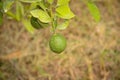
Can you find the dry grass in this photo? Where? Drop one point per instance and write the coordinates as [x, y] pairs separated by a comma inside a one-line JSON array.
[[93, 50]]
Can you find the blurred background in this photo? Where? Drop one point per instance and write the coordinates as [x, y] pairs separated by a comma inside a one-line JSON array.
[[92, 53]]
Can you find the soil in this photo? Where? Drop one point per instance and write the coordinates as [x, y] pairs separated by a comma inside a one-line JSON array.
[[93, 49]]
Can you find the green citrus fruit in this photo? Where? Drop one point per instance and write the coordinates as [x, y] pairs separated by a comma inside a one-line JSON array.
[[36, 23], [57, 43]]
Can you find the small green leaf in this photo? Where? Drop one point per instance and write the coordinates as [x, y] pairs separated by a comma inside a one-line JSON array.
[[63, 26], [1, 13], [19, 10], [94, 10], [62, 2], [64, 12], [30, 1], [28, 26], [39, 5], [1, 5], [42, 5], [11, 15], [33, 6], [1, 17], [50, 1], [41, 15], [7, 5]]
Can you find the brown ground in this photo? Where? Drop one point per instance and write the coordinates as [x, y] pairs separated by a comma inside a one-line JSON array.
[[93, 50]]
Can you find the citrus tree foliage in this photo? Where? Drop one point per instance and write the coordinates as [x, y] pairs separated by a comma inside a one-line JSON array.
[[47, 11], [37, 14]]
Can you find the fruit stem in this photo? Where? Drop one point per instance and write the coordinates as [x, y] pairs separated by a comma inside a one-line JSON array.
[[53, 19]]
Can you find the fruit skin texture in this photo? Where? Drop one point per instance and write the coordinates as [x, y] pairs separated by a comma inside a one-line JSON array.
[[37, 24], [57, 43]]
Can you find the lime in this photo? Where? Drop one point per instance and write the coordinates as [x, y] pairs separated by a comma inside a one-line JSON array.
[[57, 43], [37, 24]]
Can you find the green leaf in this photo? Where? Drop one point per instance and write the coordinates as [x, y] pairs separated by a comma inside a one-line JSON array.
[[28, 26], [1, 13], [1, 5], [19, 10], [1, 18], [62, 2], [30, 1], [64, 12], [11, 15], [40, 4], [94, 10], [64, 25], [33, 6], [7, 5], [43, 24], [50, 1], [41, 15]]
